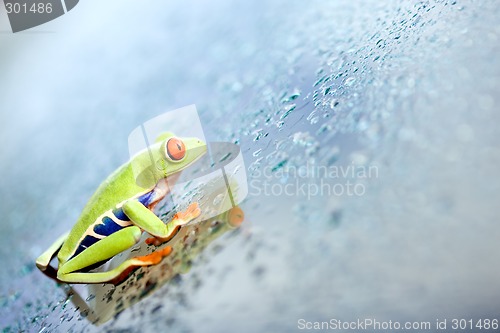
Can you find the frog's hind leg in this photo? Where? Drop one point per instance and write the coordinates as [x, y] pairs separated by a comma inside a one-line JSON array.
[[120, 273], [43, 261], [105, 249]]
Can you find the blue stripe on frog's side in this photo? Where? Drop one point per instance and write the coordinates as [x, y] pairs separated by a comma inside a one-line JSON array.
[[118, 212], [85, 243], [107, 226], [146, 199]]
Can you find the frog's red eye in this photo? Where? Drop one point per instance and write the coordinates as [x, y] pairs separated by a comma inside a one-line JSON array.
[[175, 149]]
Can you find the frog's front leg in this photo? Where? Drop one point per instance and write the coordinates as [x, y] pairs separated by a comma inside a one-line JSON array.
[[144, 218]]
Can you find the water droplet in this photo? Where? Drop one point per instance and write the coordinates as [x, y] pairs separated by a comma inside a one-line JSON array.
[[311, 150], [333, 155], [236, 86], [225, 157], [288, 110], [335, 218], [349, 81], [295, 94], [26, 269], [218, 199], [271, 156], [66, 302], [359, 158], [255, 165], [190, 238], [281, 144], [303, 139], [324, 128], [280, 165], [319, 81], [188, 184], [14, 296], [258, 135], [236, 169], [333, 103], [312, 114]]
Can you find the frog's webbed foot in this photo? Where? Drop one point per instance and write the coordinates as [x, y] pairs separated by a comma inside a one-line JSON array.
[[179, 219], [155, 257], [147, 260], [192, 212], [156, 241]]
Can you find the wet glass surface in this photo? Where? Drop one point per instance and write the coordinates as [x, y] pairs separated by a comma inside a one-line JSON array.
[[368, 130]]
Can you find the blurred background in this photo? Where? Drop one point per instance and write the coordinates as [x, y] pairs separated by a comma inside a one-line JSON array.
[[410, 88]]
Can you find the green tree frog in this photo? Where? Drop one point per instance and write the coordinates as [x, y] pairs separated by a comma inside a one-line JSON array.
[[119, 212]]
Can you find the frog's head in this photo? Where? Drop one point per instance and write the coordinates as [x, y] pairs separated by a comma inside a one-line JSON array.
[[173, 154], [168, 155]]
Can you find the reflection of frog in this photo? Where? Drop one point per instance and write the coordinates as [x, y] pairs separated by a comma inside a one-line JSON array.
[[120, 210]]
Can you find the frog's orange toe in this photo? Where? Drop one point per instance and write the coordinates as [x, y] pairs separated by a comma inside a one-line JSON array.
[[192, 212], [165, 251], [235, 216], [153, 241], [155, 257]]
